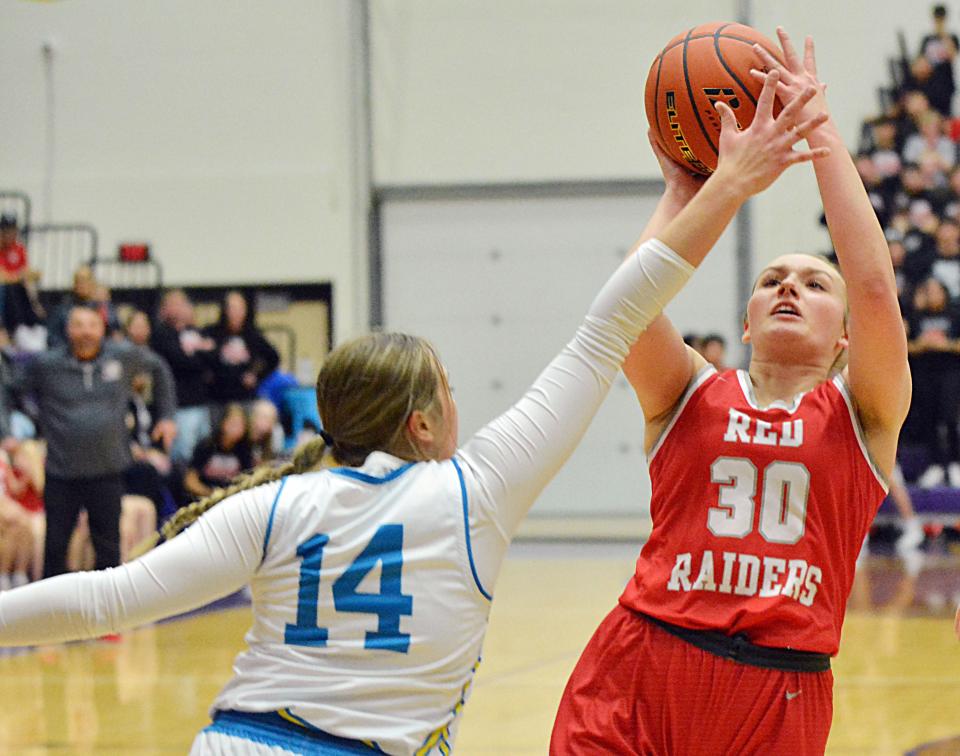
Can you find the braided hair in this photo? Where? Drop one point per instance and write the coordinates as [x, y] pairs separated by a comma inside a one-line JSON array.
[[366, 390]]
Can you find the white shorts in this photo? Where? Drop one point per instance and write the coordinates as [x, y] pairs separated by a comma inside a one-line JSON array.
[[219, 744], [236, 733]]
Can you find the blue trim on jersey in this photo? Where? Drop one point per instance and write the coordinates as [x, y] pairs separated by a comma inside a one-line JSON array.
[[466, 531], [269, 728], [349, 472], [273, 511]]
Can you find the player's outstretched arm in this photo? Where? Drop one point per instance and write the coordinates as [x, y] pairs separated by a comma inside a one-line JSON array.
[[878, 373], [213, 558], [659, 383], [660, 366]]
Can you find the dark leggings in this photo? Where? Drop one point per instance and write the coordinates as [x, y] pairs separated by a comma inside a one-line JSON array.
[[63, 499], [142, 478]]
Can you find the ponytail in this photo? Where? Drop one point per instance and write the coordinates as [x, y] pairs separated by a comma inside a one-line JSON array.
[[307, 458]]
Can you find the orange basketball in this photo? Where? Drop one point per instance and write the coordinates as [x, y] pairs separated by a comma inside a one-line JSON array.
[[709, 62]]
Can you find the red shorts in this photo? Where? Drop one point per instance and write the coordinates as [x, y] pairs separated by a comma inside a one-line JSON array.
[[637, 689]]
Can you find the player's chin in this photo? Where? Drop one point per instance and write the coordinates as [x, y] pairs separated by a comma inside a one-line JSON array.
[[786, 338]]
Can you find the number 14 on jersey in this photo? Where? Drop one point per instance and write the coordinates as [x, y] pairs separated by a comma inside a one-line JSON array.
[[385, 548]]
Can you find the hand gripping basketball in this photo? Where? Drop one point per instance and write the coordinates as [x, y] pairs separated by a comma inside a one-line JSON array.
[[752, 159]]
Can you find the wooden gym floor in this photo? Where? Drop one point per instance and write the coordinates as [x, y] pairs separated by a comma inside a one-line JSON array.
[[897, 675]]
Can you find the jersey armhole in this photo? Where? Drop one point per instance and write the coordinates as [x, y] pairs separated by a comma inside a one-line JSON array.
[[841, 386], [273, 512], [696, 382], [466, 529]]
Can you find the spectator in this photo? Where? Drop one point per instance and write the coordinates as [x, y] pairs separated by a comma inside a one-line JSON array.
[[244, 356], [914, 187], [19, 300], [937, 51], [692, 340], [83, 390], [191, 357], [713, 347], [879, 191], [24, 476], [266, 433], [137, 328], [914, 105], [149, 476], [217, 460], [933, 332], [946, 265], [884, 148], [920, 247], [951, 208], [84, 292], [16, 544], [930, 141], [898, 256]]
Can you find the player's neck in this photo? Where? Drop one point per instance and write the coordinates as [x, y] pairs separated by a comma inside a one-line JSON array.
[[775, 381]]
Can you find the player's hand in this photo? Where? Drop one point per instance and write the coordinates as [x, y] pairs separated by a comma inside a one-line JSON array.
[[752, 159], [797, 75], [681, 183]]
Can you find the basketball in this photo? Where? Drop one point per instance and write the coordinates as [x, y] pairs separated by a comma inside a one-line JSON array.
[[698, 67]]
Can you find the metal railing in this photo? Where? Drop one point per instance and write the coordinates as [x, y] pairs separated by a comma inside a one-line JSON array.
[[58, 249]]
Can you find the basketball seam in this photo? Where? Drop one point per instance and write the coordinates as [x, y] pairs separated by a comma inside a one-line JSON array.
[[745, 41], [716, 46], [656, 103], [693, 102]]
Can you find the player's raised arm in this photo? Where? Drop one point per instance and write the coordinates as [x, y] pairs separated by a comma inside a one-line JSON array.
[[660, 366], [519, 452], [878, 373]]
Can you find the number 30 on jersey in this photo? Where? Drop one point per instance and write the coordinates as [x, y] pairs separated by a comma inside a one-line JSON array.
[[784, 489]]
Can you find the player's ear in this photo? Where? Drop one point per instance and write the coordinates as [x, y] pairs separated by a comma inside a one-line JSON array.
[[745, 336], [420, 429]]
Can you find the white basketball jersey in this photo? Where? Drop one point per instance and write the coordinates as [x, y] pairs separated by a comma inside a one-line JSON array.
[[368, 619]]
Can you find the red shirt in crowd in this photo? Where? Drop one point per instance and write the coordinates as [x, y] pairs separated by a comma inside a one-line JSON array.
[[13, 259]]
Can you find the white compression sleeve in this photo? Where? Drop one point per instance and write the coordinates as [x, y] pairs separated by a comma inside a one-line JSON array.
[[212, 558], [510, 460]]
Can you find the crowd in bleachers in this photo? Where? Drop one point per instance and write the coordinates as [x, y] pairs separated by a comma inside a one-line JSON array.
[[224, 377], [909, 160]]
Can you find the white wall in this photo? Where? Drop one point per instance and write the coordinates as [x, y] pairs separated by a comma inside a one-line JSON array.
[[500, 90], [517, 90], [509, 281], [220, 131], [225, 132]]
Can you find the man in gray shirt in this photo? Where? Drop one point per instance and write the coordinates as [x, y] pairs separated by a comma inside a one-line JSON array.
[[83, 390]]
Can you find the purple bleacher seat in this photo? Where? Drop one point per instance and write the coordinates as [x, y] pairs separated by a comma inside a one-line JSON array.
[[930, 501]]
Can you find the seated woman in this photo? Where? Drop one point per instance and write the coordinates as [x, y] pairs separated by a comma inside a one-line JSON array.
[[17, 546], [266, 433], [217, 460]]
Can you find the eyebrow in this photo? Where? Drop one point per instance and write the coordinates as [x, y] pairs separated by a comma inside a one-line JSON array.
[[803, 271]]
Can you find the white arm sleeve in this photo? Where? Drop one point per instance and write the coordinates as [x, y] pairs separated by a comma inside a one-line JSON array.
[[213, 558], [509, 461]]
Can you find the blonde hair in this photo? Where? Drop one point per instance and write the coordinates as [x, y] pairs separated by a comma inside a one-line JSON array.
[[366, 390]]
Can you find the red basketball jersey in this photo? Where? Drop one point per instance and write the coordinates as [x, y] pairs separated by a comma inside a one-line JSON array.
[[758, 514]]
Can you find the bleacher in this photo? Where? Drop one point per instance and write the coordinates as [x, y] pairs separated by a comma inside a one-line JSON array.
[[911, 211]]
